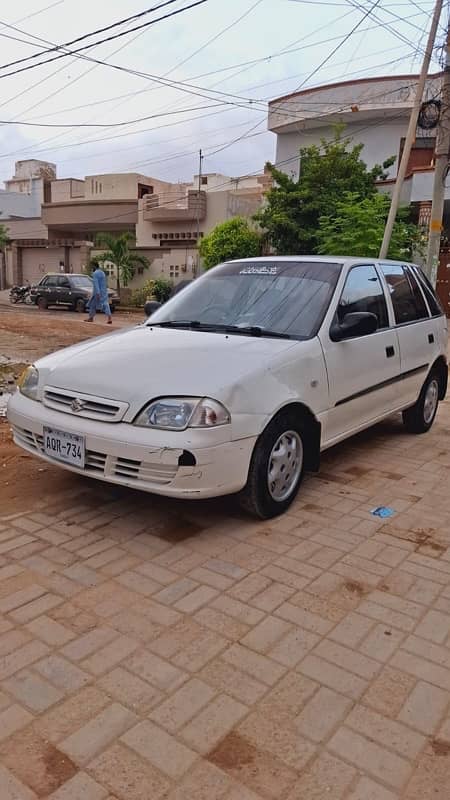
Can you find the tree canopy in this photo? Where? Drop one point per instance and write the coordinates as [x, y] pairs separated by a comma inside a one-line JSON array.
[[329, 171], [232, 239], [356, 228]]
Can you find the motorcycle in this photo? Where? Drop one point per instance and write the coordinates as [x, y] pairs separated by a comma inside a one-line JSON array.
[[20, 294]]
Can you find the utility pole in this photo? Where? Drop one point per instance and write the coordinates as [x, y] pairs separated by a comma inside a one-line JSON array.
[[440, 168], [200, 162], [411, 134]]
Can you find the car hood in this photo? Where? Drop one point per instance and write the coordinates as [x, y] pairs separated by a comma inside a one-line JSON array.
[[144, 363]]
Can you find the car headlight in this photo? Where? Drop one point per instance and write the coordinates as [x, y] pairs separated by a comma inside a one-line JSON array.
[[28, 383], [179, 413]]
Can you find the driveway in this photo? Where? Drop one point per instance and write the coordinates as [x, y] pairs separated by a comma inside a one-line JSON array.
[[151, 649]]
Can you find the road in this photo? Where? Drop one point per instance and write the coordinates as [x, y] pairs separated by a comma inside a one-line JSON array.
[[153, 649]]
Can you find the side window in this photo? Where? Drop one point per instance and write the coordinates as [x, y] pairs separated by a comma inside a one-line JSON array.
[[52, 281], [63, 281], [363, 292], [407, 299], [432, 299]]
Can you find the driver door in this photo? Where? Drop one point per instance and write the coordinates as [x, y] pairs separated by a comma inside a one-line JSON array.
[[363, 370]]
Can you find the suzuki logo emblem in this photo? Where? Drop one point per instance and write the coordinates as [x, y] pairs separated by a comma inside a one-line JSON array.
[[77, 405]]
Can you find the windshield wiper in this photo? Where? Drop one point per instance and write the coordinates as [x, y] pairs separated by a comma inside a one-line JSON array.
[[176, 323], [255, 330], [245, 330]]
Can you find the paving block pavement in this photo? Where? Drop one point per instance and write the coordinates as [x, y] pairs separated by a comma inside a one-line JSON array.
[[177, 651]]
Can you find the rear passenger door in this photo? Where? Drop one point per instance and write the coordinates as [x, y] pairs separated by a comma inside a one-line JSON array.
[[417, 331]]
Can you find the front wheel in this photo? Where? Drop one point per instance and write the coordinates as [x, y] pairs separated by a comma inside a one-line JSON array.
[[80, 306], [276, 468], [42, 303], [420, 417]]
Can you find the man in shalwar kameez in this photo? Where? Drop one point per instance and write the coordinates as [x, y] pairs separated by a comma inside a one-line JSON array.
[[99, 299]]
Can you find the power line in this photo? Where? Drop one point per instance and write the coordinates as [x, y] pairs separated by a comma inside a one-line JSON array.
[[103, 41], [65, 45]]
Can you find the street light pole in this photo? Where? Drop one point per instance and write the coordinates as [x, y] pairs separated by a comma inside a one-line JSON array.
[[411, 134]]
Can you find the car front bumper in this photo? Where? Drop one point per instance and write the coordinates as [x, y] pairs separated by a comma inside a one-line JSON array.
[[151, 461]]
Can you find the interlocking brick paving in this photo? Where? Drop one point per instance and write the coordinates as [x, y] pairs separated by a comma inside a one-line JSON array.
[[153, 649]]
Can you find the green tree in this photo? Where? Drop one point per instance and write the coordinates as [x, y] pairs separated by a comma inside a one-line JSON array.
[[328, 171], [232, 239], [356, 228], [119, 253]]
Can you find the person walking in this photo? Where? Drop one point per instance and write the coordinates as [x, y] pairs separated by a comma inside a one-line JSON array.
[[99, 299]]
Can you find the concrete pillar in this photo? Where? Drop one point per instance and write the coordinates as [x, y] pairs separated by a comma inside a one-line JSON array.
[[17, 271], [85, 256], [66, 258]]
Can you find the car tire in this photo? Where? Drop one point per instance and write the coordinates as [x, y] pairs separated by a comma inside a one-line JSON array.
[[41, 303], [420, 417], [80, 306], [112, 308], [276, 468]]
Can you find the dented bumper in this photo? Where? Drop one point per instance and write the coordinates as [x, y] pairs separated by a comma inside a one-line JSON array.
[[184, 464]]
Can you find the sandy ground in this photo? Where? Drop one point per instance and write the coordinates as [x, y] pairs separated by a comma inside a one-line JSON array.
[[26, 335]]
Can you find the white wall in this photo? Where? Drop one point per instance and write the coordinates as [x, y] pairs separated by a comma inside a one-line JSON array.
[[381, 141]]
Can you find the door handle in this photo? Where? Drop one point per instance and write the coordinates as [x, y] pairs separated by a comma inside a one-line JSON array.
[[430, 338], [390, 351]]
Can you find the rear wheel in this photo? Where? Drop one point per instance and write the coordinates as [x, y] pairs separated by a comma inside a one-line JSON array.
[[112, 308], [41, 303], [420, 417], [276, 469], [80, 305]]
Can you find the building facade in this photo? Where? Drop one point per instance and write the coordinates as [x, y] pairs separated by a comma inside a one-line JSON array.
[[375, 112], [166, 220]]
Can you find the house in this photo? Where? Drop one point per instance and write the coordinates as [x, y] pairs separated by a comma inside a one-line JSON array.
[[375, 112], [166, 220]]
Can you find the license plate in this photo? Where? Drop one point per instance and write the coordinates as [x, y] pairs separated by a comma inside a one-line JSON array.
[[66, 447]]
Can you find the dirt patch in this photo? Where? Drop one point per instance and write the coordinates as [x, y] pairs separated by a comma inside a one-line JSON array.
[[232, 752], [417, 536], [355, 587], [440, 748], [37, 763]]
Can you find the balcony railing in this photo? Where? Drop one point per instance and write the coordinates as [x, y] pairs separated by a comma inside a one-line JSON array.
[[189, 208]]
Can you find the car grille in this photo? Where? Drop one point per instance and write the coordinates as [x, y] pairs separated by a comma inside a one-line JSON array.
[[102, 465], [89, 406]]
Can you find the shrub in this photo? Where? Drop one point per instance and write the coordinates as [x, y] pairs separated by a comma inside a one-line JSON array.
[[140, 296]]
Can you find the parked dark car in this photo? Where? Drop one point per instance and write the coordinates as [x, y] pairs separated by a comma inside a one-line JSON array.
[[70, 290]]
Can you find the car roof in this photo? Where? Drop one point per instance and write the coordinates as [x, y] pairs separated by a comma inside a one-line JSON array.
[[323, 259], [67, 274]]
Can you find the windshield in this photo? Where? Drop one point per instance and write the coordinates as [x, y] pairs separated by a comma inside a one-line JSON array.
[[82, 281], [283, 297]]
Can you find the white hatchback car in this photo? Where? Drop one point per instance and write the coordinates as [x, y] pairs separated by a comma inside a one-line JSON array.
[[239, 381]]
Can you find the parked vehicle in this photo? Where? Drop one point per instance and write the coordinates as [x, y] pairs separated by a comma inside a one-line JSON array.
[[240, 381], [69, 290], [20, 294]]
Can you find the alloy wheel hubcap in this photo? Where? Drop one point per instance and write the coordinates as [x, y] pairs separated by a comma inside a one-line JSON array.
[[431, 401], [285, 465]]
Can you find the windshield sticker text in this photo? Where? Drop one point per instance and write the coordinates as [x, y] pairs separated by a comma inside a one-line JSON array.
[[259, 271]]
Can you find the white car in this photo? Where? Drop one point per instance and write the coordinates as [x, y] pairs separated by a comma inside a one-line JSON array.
[[239, 381]]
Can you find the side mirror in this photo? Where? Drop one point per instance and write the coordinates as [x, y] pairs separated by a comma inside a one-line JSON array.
[[150, 307], [360, 323]]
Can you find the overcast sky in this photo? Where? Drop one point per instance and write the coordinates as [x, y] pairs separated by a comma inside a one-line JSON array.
[[73, 91]]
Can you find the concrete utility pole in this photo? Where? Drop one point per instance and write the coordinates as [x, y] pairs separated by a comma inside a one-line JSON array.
[[440, 167], [411, 134], [200, 164]]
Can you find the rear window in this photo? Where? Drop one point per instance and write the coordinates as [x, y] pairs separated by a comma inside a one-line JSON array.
[[407, 299], [431, 297]]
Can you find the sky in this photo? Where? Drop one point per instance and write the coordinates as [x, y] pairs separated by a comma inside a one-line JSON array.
[[205, 77]]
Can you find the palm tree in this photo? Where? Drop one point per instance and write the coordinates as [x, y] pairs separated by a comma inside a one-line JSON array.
[[119, 254]]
